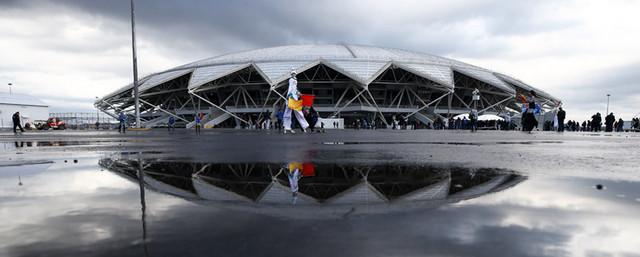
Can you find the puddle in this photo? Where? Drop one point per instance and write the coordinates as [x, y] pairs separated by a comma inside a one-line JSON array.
[[121, 206], [315, 185], [26, 144], [442, 143]]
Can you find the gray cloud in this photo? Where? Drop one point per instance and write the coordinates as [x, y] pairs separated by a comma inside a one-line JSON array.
[[622, 82], [184, 31], [221, 26]]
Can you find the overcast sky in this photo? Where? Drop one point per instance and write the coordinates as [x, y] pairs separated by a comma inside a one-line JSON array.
[[68, 52]]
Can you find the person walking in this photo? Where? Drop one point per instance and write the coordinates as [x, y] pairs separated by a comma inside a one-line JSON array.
[[16, 123], [122, 128], [561, 115], [294, 106], [620, 127], [595, 122], [528, 112], [473, 118], [198, 123], [171, 124], [608, 122]]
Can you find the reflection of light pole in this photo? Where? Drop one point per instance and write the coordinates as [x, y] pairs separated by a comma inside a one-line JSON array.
[[607, 113], [9, 87], [143, 204]]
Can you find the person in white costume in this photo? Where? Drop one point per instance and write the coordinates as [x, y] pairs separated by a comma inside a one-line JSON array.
[[293, 93]]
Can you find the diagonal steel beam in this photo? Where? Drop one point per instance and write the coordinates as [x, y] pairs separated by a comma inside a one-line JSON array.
[[277, 93], [504, 100], [342, 97], [348, 103], [162, 110], [218, 107], [378, 108], [107, 113], [427, 105], [462, 101]]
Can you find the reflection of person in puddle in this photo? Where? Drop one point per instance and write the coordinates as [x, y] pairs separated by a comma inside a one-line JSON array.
[[296, 172], [294, 176]]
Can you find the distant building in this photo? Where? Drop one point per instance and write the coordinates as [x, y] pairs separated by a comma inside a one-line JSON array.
[[31, 109]]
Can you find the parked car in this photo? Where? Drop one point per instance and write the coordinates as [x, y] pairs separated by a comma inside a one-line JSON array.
[[52, 123]]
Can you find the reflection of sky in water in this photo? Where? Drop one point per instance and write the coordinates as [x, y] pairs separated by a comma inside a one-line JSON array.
[[77, 210]]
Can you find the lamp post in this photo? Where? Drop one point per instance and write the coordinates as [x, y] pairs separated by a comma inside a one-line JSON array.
[[97, 116], [607, 113], [9, 87], [135, 67]]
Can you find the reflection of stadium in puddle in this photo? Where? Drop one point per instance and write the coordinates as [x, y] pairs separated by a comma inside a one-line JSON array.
[[323, 190], [443, 143]]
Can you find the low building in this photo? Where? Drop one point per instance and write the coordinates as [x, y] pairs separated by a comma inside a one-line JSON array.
[[31, 109]]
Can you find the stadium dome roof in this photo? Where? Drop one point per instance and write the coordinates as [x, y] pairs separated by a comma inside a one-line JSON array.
[[21, 99], [360, 63]]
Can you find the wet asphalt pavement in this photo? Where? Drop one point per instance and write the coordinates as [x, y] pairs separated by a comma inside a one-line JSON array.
[[355, 193]]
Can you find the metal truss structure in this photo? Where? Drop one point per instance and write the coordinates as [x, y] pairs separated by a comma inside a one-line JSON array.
[[348, 81]]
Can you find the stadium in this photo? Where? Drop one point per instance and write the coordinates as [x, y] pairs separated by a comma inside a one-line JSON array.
[[348, 81]]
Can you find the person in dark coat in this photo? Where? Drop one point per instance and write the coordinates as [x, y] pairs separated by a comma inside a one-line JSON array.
[[122, 128], [561, 115], [171, 124], [16, 122], [311, 116], [620, 126], [596, 122], [608, 122], [528, 117]]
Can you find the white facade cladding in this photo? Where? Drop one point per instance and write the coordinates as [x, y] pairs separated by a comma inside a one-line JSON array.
[[349, 81], [30, 108]]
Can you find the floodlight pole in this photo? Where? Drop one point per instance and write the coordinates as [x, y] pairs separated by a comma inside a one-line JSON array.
[[97, 116], [607, 113], [136, 94]]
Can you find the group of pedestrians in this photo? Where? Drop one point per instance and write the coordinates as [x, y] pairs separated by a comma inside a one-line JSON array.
[[592, 125], [635, 124], [611, 124]]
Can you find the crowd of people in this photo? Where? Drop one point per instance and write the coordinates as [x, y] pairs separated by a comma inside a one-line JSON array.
[[593, 125], [306, 119]]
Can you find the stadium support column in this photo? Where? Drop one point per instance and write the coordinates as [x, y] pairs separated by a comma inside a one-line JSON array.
[[136, 94], [450, 98], [377, 108]]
